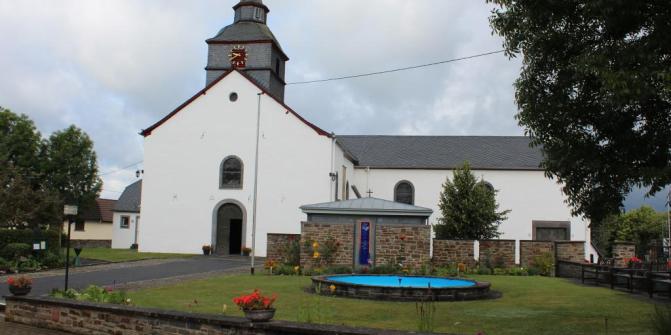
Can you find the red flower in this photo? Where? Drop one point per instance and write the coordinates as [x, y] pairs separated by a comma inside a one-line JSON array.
[[402, 237], [254, 301]]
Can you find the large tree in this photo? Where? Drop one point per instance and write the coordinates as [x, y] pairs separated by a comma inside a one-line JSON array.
[[72, 168], [20, 145], [469, 208], [595, 93]]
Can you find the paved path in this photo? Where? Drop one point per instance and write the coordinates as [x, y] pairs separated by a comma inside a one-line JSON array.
[[134, 272]]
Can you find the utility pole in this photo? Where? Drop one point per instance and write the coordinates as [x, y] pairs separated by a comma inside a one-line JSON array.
[[256, 180]]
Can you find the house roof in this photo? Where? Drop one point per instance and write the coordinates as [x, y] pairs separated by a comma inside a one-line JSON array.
[[101, 211], [148, 131], [129, 201], [246, 32], [442, 152], [367, 206]]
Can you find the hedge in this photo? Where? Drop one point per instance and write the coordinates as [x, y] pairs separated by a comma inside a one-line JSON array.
[[27, 236]]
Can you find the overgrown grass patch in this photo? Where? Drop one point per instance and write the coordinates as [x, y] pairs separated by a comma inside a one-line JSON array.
[[529, 305]]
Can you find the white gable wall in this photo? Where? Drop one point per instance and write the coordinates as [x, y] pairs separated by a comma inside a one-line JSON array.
[[528, 194], [183, 156]]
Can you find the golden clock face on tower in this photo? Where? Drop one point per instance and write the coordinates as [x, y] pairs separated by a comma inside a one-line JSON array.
[[238, 56]]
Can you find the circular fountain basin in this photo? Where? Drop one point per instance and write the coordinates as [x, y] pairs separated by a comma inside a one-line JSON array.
[[403, 288]]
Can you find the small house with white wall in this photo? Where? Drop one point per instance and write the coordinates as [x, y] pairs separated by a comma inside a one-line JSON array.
[[126, 219], [235, 162], [93, 227]]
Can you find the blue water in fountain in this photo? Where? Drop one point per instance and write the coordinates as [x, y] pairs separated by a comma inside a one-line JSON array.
[[402, 281]]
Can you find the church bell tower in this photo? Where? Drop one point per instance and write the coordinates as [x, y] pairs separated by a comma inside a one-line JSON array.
[[249, 46]]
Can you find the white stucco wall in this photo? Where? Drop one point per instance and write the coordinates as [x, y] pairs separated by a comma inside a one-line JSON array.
[[123, 238], [528, 194], [181, 193], [93, 230]]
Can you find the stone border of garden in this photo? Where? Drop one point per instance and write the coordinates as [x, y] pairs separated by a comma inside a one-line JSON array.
[[80, 317], [322, 285]]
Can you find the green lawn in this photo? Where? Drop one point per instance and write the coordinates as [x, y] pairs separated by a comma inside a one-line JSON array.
[[530, 305], [123, 255]]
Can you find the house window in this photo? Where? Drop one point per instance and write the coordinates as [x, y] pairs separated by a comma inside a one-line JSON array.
[[347, 192], [404, 192], [79, 225], [125, 222], [231, 172], [277, 66], [257, 13], [344, 183]]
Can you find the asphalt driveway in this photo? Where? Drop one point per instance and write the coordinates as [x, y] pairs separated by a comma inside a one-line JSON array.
[[133, 272]]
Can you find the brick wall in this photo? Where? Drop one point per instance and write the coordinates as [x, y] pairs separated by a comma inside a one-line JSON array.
[[409, 241], [622, 251], [572, 251], [276, 245], [530, 249], [79, 317], [498, 251], [321, 232], [451, 252]]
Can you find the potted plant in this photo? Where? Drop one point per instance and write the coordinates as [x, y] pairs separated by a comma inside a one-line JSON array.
[[246, 251], [207, 249], [257, 308], [20, 286]]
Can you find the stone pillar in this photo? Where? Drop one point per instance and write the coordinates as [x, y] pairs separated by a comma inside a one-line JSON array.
[[621, 251]]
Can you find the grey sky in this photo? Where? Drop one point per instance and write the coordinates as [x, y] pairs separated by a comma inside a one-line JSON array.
[[115, 67]]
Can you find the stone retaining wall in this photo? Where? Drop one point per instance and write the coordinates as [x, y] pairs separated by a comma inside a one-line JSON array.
[[572, 251], [531, 249], [277, 244], [407, 244], [97, 319], [452, 252], [499, 253], [322, 232], [621, 252], [91, 243]]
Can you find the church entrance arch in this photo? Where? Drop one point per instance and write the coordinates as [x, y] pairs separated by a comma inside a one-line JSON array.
[[229, 229]]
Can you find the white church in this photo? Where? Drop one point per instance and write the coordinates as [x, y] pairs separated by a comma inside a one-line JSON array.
[[234, 162]]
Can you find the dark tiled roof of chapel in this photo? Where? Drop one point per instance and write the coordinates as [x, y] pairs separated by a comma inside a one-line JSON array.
[[442, 152], [129, 201]]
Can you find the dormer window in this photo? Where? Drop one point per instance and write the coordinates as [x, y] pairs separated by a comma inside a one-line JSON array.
[[257, 13]]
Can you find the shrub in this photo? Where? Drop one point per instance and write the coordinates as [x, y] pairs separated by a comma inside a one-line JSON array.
[[385, 269], [284, 269], [94, 293], [4, 266], [543, 264], [27, 236], [16, 250], [340, 269], [52, 260], [291, 253], [29, 265]]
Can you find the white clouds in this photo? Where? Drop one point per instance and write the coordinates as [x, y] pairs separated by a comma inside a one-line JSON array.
[[114, 67]]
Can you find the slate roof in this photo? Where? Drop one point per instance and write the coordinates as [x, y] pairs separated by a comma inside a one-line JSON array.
[[129, 201], [246, 31], [367, 206], [442, 152], [101, 211]]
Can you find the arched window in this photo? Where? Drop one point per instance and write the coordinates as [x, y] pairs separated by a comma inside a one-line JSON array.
[[404, 192], [231, 172]]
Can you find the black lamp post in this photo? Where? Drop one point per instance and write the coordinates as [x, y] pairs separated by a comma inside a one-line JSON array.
[[70, 212]]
